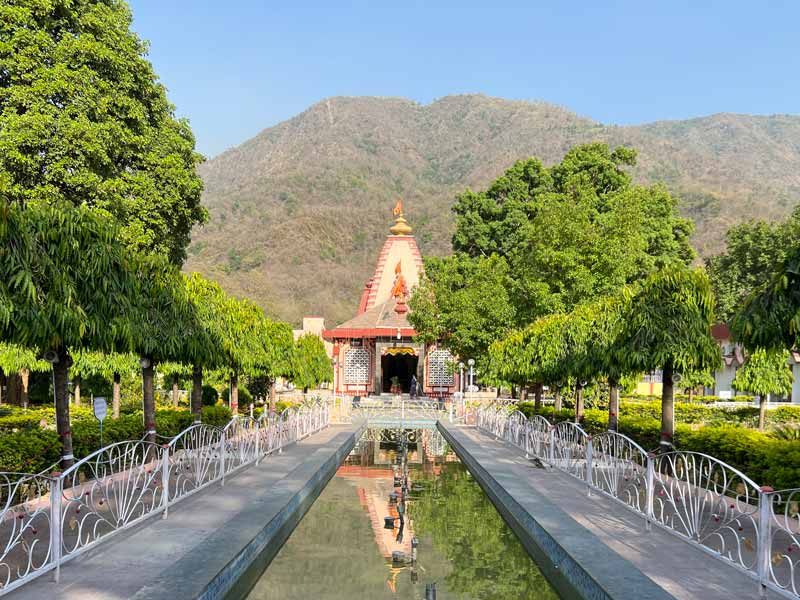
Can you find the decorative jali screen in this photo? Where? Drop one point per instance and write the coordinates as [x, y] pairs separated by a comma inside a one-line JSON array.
[[356, 366], [438, 368]]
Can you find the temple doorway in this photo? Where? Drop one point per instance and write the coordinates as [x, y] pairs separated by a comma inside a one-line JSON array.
[[401, 365]]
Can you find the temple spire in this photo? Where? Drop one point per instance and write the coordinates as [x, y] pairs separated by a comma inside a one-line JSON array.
[[401, 226]]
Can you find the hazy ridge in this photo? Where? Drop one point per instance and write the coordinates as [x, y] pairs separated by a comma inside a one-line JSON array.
[[299, 212]]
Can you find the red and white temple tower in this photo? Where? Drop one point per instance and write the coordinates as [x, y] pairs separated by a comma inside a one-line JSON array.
[[376, 347]]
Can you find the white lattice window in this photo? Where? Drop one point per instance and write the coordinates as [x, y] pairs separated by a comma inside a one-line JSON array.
[[356, 366], [439, 368]]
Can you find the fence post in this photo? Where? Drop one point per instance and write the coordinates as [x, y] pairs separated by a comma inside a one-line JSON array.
[[165, 480], [258, 443], [56, 485], [552, 449], [589, 465], [527, 438], [222, 456], [650, 491], [764, 550]]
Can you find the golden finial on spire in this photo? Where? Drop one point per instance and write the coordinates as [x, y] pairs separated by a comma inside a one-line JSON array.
[[401, 226]]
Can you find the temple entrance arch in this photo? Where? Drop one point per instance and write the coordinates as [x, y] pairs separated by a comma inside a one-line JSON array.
[[400, 363]]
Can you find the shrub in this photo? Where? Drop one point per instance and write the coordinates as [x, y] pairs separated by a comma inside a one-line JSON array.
[[245, 398], [29, 451], [210, 395]]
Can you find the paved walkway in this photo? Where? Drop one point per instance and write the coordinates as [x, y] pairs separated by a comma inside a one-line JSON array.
[[211, 538], [610, 542]]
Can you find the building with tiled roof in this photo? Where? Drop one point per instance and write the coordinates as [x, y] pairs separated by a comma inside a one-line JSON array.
[[377, 345]]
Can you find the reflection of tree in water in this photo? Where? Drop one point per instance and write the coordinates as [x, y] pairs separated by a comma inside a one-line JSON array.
[[488, 561]]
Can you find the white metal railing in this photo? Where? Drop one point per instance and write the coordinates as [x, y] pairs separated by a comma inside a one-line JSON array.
[[47, 519], [692, 495]]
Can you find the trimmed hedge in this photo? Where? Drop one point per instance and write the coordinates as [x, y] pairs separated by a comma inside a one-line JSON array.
[[763, 458], [32, 450]]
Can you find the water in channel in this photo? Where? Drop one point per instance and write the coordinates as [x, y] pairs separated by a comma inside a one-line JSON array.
[[450, 534]]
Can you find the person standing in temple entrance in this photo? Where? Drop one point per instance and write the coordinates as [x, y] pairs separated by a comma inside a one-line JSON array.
[[413, 391]]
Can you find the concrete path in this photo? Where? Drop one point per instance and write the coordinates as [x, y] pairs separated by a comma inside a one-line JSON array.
[[617, 557], [215, 542]]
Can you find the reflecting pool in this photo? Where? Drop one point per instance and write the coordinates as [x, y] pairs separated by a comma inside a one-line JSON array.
[[400, 514]]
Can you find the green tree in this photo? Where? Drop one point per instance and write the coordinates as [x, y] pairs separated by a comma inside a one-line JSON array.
[[16, 365], [310, 363], [86, 121], [463, 304], [691, 380], [753, 252], [69, 283], [765, 372], [770, 316], [539, 241], [108, 365], [278, 340], [207, 301], [668, 327]]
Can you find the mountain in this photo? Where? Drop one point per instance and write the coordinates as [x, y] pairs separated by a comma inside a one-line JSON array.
[[300, 211]]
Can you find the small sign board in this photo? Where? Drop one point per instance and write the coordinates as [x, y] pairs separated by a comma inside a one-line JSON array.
[[100, 407], [725, 394]]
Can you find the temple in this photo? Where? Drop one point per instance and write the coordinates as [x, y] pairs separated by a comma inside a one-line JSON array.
[[374, 352]]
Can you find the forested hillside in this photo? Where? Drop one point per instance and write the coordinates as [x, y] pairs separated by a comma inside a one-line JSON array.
[[299, 212]]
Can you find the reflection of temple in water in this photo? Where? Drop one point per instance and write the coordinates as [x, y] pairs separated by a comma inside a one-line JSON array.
[[373, 466]]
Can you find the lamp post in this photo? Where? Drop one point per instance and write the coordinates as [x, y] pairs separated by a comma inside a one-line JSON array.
[[471, 363], [461, 377]]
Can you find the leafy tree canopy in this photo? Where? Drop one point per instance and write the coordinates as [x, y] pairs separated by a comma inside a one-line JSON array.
[[770, 316], [68, 278], [543, 240], [669, 323], [87, 363], [15, 358], [754, 250], [464, 303], [86, 121], [311, 365], [765, 372]]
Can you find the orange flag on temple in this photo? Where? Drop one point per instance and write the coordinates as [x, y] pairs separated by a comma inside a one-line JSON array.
[[398, 208], [397, 269]]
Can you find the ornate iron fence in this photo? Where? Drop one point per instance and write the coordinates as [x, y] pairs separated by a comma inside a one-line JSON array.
[[47, 519], [694, 496]]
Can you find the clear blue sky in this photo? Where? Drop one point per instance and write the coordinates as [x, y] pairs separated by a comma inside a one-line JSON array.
[[236, 67]]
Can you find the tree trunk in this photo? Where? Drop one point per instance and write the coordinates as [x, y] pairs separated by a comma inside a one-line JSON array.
[[115, 396], [613, 405], [76, 386], [149, 402], [556, 402], [3, 384], [272, 403], [234, 394], [523, 393], [667, 408], [175, 391], [537, 397], [24, 378], [513, 392], [13, 389], [197, 393], [691, 395], [578, 403], [60, 372], [762, 411]]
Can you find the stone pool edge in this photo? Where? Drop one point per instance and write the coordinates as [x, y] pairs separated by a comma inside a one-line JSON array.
[[562, 566], [235, 580]]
